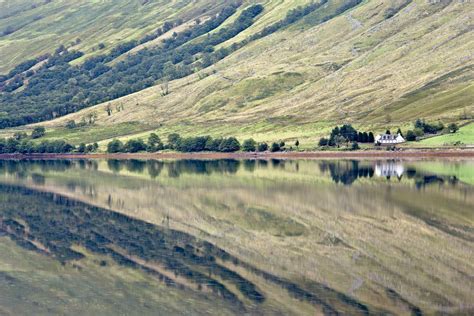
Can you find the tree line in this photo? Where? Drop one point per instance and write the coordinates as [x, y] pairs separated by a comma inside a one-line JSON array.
[[22, 143], [193, 144], [346, 135], [421, 128]]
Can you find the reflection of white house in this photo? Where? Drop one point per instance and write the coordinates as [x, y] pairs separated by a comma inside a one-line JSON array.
[[387, 139], [389, 169]]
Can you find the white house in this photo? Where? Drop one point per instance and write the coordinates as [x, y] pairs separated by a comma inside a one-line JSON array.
[[388, 139]]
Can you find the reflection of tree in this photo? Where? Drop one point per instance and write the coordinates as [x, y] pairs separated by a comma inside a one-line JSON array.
[[135, 165], [262, 163], [205, 167], [346, 171], [154, 168], [250, 165], [114, 165]]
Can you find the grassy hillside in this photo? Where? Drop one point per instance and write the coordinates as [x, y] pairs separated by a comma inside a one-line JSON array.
[[465, 135], [40, 26], [381, 64]]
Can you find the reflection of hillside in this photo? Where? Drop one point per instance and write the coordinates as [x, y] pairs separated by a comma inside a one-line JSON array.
[[286, 218], [53, 225]]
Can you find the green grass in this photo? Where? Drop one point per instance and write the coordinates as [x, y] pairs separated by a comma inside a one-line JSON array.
[[465, 136]]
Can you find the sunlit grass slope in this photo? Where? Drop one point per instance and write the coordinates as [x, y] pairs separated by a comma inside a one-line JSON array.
[[465, 135], [42, 26]]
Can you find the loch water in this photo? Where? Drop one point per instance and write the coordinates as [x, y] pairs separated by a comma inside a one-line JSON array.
[[233, 237]]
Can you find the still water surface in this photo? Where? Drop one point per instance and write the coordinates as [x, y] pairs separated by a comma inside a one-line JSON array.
[[136, 237]]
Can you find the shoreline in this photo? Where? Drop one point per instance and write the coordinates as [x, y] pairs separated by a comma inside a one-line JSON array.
[[366, 154]]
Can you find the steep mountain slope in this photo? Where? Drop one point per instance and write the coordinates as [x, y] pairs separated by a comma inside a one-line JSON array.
[[35, 27], [376, 64]]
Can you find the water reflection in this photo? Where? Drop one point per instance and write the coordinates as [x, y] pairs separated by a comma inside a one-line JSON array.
[[261, 236], [55, 226], [344, 172]]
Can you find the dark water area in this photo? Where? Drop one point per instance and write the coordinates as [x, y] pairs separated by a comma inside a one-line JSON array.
[[295, 237]]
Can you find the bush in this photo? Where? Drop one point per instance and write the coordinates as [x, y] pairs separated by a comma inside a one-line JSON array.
[[81, 148], [154, 143], [91, 148], [275, 147], [323, 142], [262, 147], [134, 146], [355, 146], [213, 144], [249, 145], [20, 135], [453, 128], [193, 144], [230, 144], [38, 132], [173, 141], [71, 124], [419, 132], [411, 136], [115, 146]]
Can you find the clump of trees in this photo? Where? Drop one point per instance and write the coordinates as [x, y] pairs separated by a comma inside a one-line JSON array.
[[422, 128], [38, 132], [187, 144], [348, 136], [90, 148], [249, 145], [26, 146]]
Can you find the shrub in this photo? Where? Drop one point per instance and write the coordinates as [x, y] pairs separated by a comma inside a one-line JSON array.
[[115, 146], [275, 147], [20, 135], [71, 124], [81, 148], [91, 148], [174, 140], [230, 144], [213, 144], [38, 132], [419, 132], [355, 146], [154, 143], [193, 144], [453, 128], [323, 142], [249, 145], [411, 136], [262, 147], [134, 146]]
